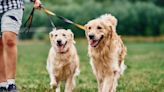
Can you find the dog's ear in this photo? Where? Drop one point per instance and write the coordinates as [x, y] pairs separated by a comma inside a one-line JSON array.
[[85, 26], [109, 21], [72, 35], [50, 35], [70, 32], [86, 32]]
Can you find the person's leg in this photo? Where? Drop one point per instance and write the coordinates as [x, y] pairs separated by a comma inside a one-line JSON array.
[[3, 80], [10, 25], [10, 53], [10, 58]]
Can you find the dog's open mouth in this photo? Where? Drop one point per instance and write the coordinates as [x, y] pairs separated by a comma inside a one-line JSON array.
[[95, 43], [61, 47]]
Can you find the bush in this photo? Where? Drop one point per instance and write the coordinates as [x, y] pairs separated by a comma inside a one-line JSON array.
[[134, 18], [41, 34], [138, 19]]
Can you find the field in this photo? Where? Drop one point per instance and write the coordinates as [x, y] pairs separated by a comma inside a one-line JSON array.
[[145, 72]]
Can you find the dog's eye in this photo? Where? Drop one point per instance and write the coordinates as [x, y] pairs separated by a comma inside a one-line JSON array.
[[99, 27], [56, 35], [64, 35], [89, 27]]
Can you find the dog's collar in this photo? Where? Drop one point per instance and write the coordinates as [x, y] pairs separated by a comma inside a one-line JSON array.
[[64, 52]]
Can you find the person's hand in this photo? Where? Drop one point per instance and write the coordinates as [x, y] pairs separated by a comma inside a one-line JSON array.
[[37, 4]]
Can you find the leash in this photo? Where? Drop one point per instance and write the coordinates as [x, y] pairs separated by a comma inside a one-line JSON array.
[[49, 14], [71, 22], [62, 18], [29, 21]]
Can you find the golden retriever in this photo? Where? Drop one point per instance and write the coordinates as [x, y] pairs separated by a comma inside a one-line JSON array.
[[63, 61], [106, 51]]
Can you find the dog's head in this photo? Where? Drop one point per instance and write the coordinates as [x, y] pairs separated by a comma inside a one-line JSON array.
[[61, 39], [100, 29]]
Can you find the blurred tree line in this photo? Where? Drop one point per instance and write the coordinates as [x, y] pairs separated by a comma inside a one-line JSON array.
[[135, 17]]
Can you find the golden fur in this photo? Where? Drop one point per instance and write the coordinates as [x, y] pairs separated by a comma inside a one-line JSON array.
[[106, 51], [63, 61]]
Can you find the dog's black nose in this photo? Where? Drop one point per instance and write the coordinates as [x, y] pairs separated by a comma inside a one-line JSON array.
[[59, 41], [91, 36]]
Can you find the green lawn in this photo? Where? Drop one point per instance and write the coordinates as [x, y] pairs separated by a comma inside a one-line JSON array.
[[145, 72]]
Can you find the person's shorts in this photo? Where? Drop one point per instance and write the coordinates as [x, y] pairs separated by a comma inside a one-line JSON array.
[[11, 21]]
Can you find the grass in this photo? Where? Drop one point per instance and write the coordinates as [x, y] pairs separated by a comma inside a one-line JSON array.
[[145, 72]]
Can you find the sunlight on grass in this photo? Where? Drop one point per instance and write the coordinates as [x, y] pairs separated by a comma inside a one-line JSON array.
[[145, 63]]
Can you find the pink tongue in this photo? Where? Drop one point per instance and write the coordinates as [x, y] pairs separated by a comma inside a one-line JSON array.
[[61, 48], [92, 42]]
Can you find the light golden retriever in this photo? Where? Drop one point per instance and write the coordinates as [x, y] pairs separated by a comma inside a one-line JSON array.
[[63, 61], [106, 51]]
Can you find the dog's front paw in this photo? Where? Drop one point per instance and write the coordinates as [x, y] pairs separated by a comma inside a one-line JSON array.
[[53, 85]]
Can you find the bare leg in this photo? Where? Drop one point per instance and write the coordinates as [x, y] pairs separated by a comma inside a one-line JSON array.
[[2, 64], [10, 53]]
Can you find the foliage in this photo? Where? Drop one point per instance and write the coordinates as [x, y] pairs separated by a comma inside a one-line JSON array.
[[41, 34], [136, 17]]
